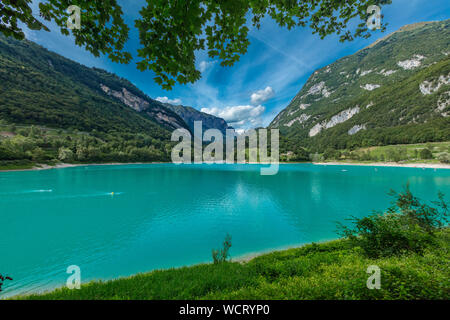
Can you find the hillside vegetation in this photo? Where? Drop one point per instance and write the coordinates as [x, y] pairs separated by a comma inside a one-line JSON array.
[[393, 92], [43, 88], [23, 147], [430, 152], [54, 109]]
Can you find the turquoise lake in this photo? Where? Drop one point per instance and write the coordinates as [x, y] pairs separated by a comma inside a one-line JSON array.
[[164, 215]]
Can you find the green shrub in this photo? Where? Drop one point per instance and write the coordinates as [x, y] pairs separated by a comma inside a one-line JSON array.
[[221, 255], [366, 156], [407, 226], [331, 153], [300, 154], [444, 157], [426, 154], [65, 154]]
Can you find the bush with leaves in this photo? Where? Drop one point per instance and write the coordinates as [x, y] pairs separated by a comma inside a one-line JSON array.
[[407, 226], [426, 154], [300, 154], [444, 157], [331, 153], [221, 255]]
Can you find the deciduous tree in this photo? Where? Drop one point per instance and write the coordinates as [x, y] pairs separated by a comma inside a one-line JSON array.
[[172, 31]]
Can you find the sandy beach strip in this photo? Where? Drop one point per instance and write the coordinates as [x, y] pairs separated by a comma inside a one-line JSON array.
[[388, 164], [70, 165], [374, 164]]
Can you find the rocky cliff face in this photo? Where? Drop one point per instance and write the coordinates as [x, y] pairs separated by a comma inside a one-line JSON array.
[[335, 120], [152, 108], [189, 115], [127, 98], [43, 88], [171, 116], [399, 81]]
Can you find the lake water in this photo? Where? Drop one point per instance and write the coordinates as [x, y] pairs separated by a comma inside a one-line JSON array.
[[163, 215]]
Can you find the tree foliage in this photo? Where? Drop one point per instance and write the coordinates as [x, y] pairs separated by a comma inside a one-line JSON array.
[[50, 146], [408, 226], [426, 154], [172, 31]]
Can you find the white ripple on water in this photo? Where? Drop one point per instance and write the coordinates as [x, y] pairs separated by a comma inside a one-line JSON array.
[[26, 192], [60, 196]]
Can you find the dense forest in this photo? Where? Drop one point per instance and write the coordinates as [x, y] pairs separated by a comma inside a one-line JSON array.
[[26, 146]]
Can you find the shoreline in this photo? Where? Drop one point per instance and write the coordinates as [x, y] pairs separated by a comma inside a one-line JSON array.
[[242, 259], [247, 257], [72, 165], [388, 164], [333, 163]]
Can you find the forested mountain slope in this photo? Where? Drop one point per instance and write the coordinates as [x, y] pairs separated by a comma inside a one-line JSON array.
[[395, 91], [44, 88]]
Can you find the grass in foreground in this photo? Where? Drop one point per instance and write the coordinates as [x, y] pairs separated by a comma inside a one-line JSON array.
[[333, 270]]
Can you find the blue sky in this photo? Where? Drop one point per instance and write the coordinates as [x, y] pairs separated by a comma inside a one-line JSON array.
[[262, 83]]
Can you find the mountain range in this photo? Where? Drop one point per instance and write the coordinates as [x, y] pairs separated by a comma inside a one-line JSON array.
[[394, 91], [39, 87]]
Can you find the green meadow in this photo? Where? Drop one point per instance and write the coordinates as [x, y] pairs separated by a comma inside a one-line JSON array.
[[332, 270]]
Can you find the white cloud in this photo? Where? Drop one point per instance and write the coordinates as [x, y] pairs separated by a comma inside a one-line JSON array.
[[205, 65], [202, 66], [262, 96], [239, 116], [167, 100]]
